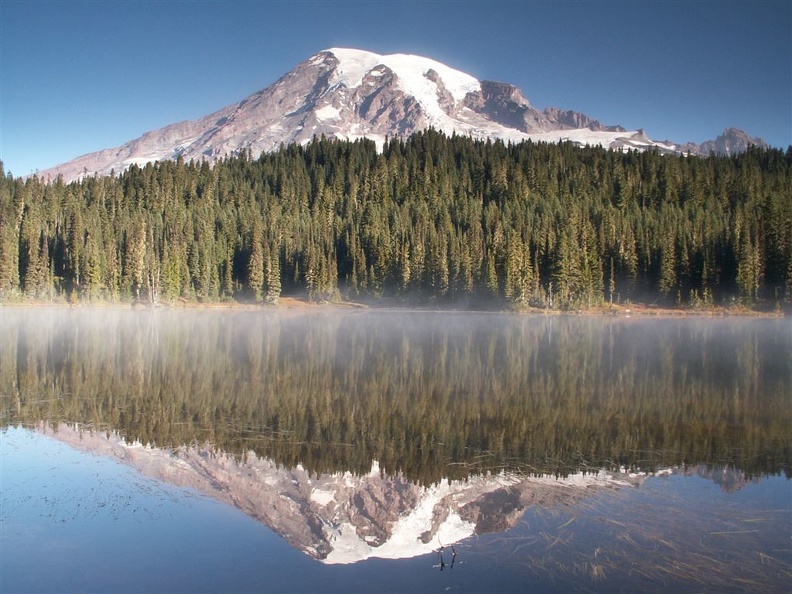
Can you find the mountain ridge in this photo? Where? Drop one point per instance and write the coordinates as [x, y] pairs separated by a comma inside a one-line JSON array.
[[350, 94]]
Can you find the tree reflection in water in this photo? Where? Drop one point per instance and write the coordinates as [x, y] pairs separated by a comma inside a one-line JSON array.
[[431, 396]]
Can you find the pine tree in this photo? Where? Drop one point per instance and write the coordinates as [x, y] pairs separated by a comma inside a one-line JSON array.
[[256, 262]]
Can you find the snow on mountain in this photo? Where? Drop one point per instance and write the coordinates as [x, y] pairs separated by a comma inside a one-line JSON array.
[[349, 94], [410, 70]]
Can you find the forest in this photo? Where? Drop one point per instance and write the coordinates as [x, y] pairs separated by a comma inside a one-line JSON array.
[[432, 220]]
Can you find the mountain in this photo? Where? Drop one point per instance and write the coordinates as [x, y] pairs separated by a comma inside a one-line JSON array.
[[351, 94], [731, 142]]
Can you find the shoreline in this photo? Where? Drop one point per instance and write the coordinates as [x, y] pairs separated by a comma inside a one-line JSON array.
[[298, 304]]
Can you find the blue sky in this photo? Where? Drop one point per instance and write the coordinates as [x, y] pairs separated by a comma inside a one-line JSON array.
[[80, 76]]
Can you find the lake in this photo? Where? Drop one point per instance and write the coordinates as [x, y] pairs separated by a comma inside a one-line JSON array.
[[393, 451]]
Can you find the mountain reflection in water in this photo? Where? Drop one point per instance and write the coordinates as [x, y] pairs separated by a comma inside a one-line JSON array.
[[345, 518], [390, 434]]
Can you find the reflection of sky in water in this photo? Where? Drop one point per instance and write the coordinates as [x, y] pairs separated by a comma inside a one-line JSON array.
[[673, 533], [75, 521]]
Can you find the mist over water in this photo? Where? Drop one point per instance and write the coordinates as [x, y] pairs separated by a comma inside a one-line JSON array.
[[432, 401], [544, 394]]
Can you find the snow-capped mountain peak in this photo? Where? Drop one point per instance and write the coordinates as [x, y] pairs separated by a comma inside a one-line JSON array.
[[349, 94], [433, 92], [412, 71]]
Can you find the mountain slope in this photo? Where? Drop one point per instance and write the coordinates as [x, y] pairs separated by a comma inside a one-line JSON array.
[[350, 94]]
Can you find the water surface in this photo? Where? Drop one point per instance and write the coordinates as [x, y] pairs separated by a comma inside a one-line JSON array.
[[393, 451]]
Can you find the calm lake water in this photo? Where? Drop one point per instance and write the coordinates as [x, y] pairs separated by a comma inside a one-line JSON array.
[[386, 451]]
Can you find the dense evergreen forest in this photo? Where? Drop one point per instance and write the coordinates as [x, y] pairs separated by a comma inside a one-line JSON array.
[[433, 219]]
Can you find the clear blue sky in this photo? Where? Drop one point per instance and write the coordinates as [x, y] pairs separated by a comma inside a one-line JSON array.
[[79, 76]]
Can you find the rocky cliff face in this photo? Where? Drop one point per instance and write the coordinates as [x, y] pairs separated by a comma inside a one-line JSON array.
[[351, 94], [731, 142]]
